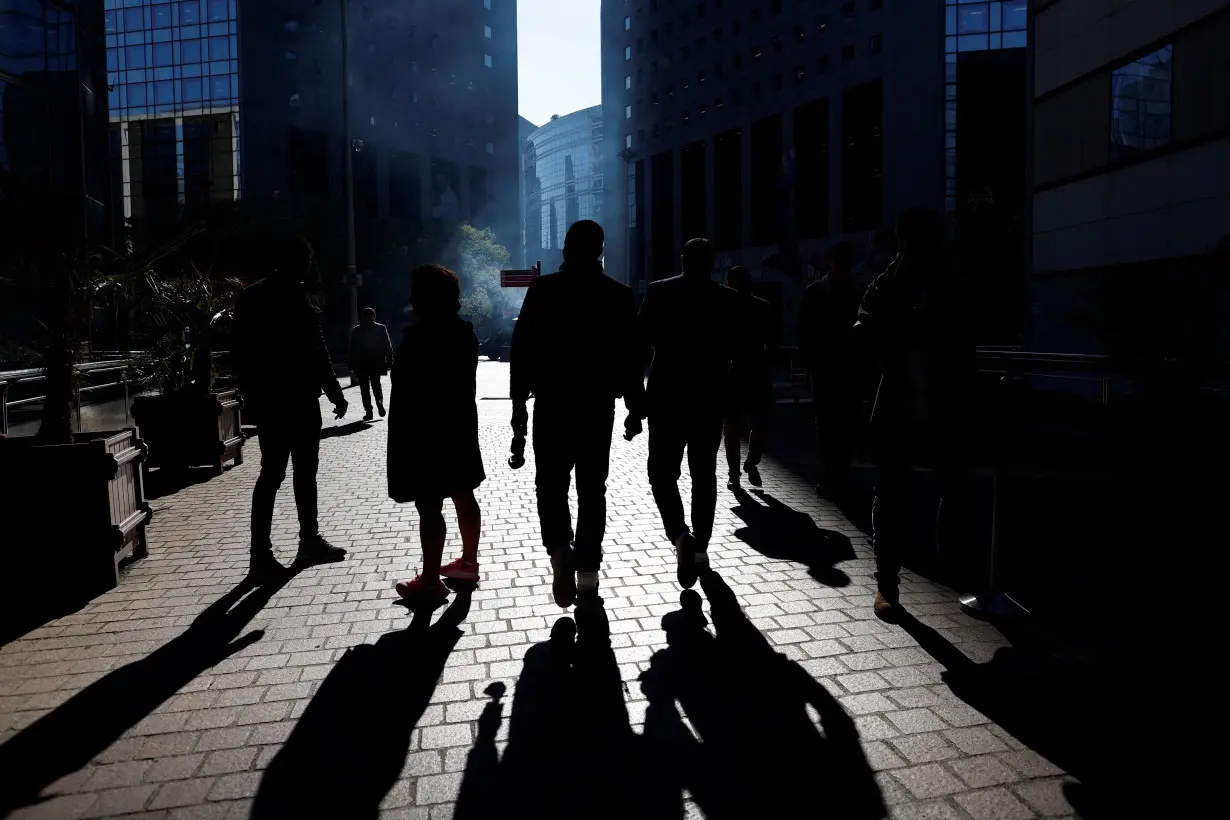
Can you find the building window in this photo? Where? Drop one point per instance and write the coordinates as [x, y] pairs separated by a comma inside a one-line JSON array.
[[847, 54], [627, 140], [627, 52], [800, 32], [800, 73], [294, 98], [847, 10], [777, 44], [490, 148], [487, 60], [777, 82], [824, 63], [700, 77], [824, 23], [487, 5], [487, 32], [877, 43], [627, 24], [757, 52], [1140, 104], [627, 82], [290, 24]]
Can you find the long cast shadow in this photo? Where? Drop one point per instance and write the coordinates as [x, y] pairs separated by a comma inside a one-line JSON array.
[[778, 531], [350, 745], [757, 751], [571, 749], [1097, 722], [69, 737]]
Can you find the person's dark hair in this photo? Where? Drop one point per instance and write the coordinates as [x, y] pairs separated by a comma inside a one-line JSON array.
[[739, 278], [584, 241], [368, 313], [841, 256], [698, 257], [434, 291], [919, 229]]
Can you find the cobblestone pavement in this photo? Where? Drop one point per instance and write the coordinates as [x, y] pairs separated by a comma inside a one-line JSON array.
[[150, 703]]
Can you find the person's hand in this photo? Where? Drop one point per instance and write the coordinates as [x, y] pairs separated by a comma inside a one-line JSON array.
[[632, 427], [520, 418], [339, 408]]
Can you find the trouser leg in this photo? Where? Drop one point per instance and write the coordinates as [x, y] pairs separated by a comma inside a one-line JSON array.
[[275, 454], [552, 475], [667, 440], [704, 438], [593, 462]]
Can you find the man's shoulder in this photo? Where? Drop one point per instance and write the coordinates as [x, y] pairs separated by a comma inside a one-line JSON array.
[[613, 286]]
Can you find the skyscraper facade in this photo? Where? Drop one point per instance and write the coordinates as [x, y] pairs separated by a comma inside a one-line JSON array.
[[173, 68], [563, 182]]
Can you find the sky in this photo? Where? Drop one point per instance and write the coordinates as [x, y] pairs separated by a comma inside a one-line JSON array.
[[559, 59]]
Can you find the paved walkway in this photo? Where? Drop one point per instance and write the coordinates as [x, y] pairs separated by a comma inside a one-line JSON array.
[[170, 697]]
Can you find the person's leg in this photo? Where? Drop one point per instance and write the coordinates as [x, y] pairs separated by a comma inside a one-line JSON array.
[[704, 439], [730, 435], [365, 391], [378, 392], [593, 465], [666, 442], [431, 536], [305, 455], [275, 454], [889, 521], [553, 440], [469, 522]]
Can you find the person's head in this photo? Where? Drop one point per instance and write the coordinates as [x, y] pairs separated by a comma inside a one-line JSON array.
[[841, 257], [584, 242], [698, 258], [368, 316], [435, 292], [290, 259], [919, 230], [739, 278]]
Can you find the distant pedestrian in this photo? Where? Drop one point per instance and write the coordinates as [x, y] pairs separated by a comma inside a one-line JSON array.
[[751, 385], [826, 324], [282, 365], [689, 323], [371, 354], [574, 351], [433, 450], [918, 327]]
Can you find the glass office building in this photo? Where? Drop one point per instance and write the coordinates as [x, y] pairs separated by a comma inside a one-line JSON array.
[[173, 70], [973, 25], [563, 182]]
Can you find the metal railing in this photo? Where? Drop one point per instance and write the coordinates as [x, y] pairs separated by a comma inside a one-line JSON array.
[[11, 377]]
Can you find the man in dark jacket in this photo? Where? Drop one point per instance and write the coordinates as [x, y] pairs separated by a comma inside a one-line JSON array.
[[573, 349], [689, 323], [750, 380], [282, 366], [826, 323], [371, 354], [915, 323]]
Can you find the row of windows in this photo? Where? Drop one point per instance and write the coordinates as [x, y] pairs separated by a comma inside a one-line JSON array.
[[165, 15], [167, 35], [848, 10], [220, 90], [172, 54]]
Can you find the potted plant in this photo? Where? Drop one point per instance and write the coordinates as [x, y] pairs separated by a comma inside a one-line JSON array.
[[74, 501], [185, 421]]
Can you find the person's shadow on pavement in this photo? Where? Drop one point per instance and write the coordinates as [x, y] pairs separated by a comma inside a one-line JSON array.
[[350, 745], [757, 751], [571, 749], [778, 531], [71, 735]]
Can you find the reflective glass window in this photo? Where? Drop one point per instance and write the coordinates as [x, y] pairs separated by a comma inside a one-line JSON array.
[[1140, 103]]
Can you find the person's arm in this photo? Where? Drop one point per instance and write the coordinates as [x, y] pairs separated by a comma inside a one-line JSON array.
[[646, 330], [634, 363], [522, 351], [388, 347], [314, 343]]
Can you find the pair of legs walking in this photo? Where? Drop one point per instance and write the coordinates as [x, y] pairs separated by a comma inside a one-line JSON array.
[[432, 534], [572, 436], [369, 383], [292, 437], [700, 433], [732, 430]]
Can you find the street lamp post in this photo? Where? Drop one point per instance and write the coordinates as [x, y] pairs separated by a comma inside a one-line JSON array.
[[352, 276]]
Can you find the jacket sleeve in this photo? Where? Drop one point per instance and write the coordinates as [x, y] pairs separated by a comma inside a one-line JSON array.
[[646, 332], [388, 347], [634, 364], [522, 353], [314, 346]]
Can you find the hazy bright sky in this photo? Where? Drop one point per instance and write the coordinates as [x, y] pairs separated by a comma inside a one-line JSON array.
[[559, 61]]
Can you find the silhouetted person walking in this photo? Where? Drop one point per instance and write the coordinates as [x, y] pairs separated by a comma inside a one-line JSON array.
[[574, 350], [371, 353], [826, 322], [750, 380], [918, 329], [689, 323], [282, 365]]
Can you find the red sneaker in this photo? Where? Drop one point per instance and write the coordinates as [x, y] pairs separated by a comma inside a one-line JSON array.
[[417, 590], [460, 570]]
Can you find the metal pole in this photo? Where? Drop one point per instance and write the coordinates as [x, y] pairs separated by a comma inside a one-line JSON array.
[[352, 279], [995, 603]]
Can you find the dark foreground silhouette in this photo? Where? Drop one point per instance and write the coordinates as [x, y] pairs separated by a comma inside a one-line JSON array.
[[87, 723], [350, 745], [778, 531], [571, 749], [756, 751]]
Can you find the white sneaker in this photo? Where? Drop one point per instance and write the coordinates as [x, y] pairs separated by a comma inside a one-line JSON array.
[[587, 583]]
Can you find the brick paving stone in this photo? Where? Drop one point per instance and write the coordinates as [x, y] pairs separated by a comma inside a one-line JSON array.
[[200, 753]]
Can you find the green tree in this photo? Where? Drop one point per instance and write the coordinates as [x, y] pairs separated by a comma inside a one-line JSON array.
[[479, 262]]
